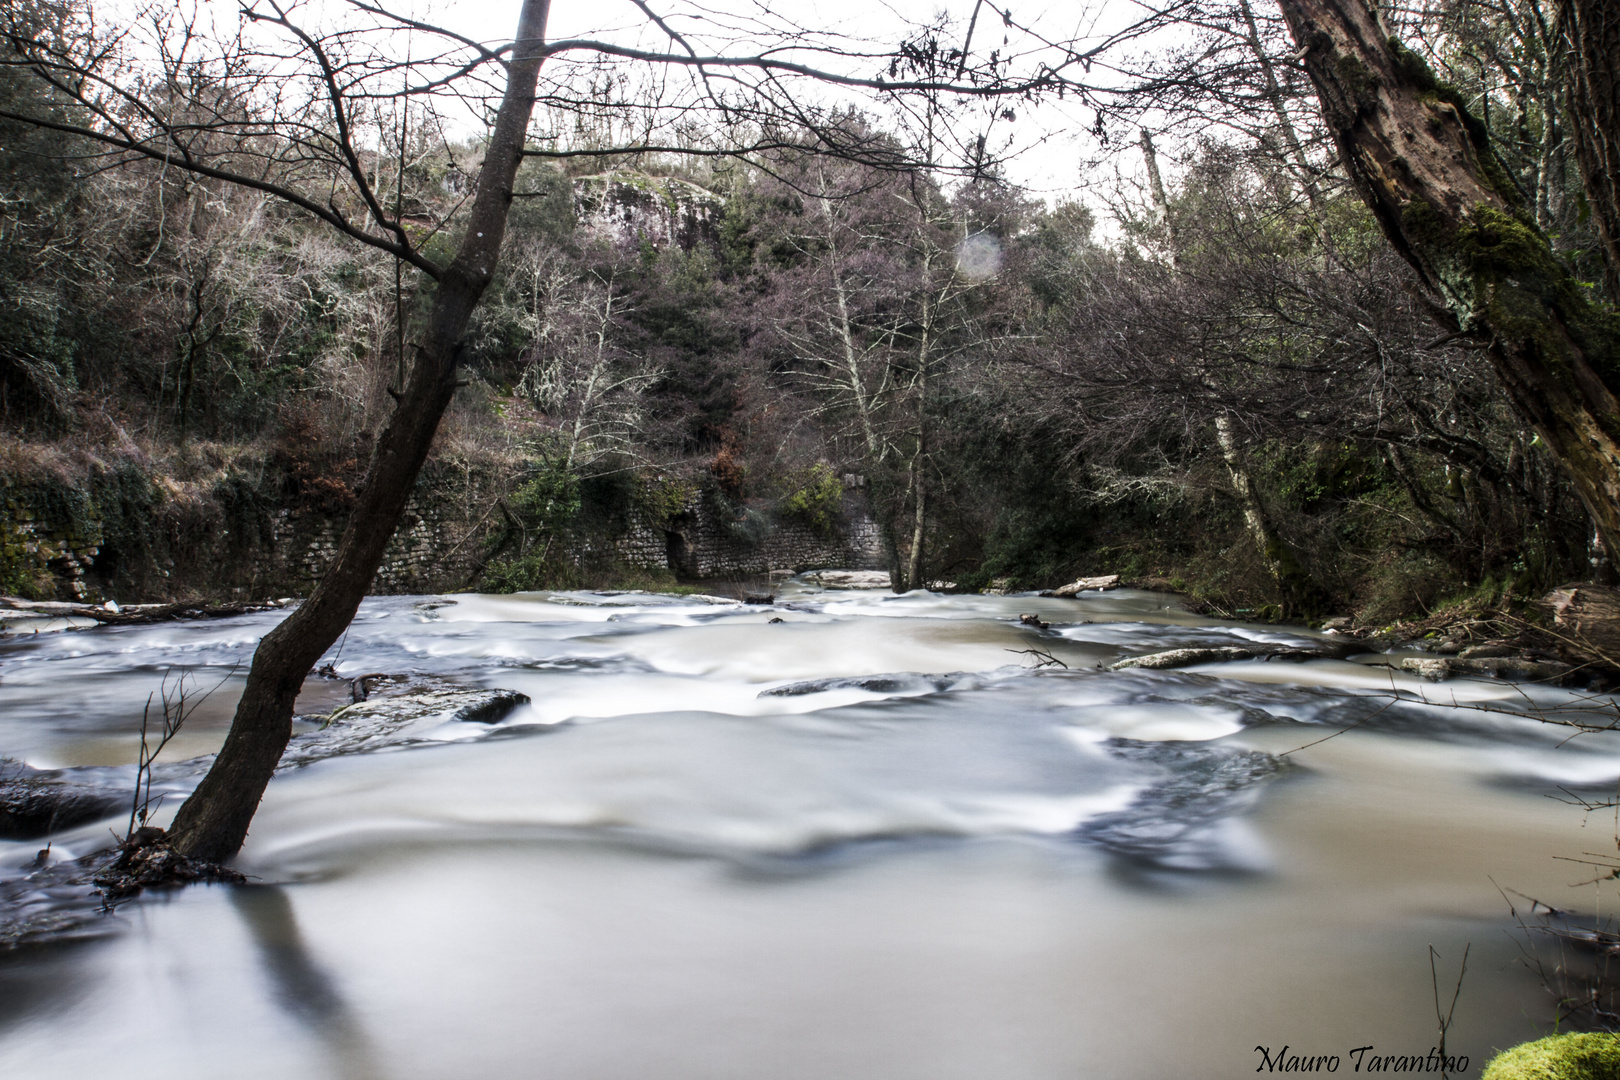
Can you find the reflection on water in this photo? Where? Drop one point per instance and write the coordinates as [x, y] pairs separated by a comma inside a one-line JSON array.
[[864, 841]]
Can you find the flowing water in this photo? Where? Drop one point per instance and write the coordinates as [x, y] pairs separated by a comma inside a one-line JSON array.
[[854, 835]]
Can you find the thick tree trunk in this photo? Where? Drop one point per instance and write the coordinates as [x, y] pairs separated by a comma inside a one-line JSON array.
[[1426, 168], [1592, 94], [213, 822]]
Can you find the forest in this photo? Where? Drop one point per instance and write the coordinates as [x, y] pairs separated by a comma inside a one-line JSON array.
[[1203, 366]]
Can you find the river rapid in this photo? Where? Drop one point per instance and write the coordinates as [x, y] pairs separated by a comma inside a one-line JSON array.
[[853, 835]]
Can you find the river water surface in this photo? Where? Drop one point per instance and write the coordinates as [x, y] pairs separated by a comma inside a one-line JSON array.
[[868, 840]]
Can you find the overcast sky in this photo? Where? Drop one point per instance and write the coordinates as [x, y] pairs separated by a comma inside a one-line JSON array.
[[1050, 140]]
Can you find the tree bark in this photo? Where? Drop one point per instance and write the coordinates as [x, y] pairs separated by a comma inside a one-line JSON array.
[[1425, 167], [1591, 30], [213, 822]]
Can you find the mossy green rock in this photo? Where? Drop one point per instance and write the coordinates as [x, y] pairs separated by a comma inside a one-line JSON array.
[[1559, 1057]]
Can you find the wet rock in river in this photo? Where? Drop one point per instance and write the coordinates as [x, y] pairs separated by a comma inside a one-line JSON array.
[[35, 803], [1486, 652], [1173, 824], [1433, 668], [1500, 667], [901, 683], [397, 721]]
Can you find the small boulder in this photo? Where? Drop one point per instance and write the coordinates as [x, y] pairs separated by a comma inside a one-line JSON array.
[[397, 721], [1512, 667], [1433, 668]]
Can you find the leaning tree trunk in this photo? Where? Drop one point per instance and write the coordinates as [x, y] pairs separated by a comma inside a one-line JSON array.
[[213, 822], [1425, 167]]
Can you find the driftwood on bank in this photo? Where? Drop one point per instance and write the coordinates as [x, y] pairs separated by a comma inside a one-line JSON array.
[[112, 614], [1177, 658], [1086, 584]]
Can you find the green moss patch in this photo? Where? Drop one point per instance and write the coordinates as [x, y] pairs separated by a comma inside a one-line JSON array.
[[1586, 1056]]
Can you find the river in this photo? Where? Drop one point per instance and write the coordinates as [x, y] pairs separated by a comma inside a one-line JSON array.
[[853, 835]]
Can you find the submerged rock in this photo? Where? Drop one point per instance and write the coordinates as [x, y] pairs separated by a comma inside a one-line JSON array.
[[35, 803], [397, 721], [1173, 823], [899, 683]]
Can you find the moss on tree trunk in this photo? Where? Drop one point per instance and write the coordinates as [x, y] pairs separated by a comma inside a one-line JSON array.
[[1425, 167]]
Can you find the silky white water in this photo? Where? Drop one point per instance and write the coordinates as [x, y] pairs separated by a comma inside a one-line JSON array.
[[870, 840]]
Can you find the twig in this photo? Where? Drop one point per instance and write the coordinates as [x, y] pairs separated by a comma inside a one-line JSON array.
[[1445, 1020], [1042, 658]]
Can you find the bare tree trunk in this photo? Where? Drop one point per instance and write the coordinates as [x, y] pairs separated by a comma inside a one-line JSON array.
[[1425, 167], [1274, 96], [919, 528], [1592, 94], [1161, 201], [919, 463], [1300, 594], [213, 822]]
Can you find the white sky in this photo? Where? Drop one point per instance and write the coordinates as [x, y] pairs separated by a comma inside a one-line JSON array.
[[1053, 139]]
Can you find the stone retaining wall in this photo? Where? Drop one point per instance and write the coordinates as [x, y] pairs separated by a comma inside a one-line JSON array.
[[197, 548]]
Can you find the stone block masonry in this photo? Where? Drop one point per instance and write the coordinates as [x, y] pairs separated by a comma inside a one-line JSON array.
[[62, 545]]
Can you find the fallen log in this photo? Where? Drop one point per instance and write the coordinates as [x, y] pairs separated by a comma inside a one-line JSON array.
[[1176, 658], [1086, 584], [114, 614]]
